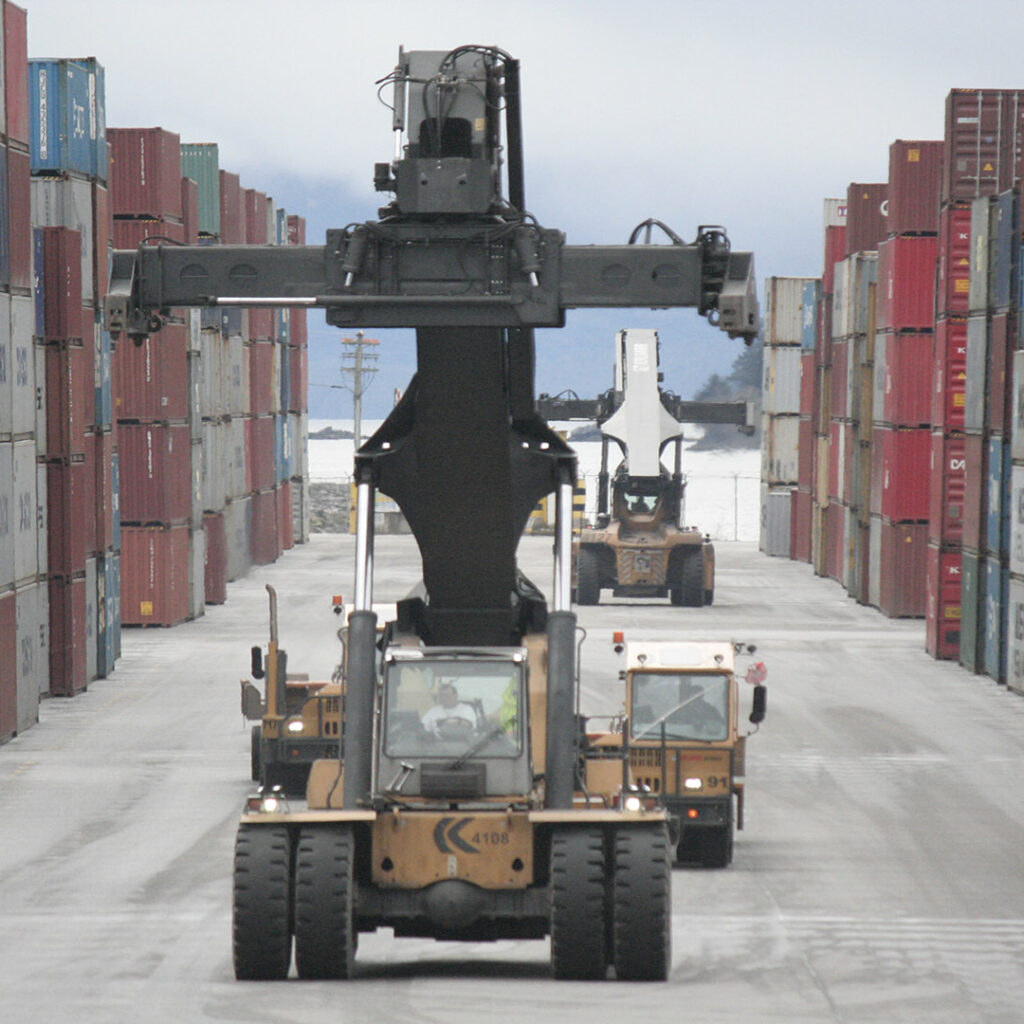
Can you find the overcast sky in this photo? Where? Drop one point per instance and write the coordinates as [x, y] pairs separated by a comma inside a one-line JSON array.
[[745, 114]]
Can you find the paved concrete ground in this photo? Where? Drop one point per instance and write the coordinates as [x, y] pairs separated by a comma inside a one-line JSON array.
[[878, 878]]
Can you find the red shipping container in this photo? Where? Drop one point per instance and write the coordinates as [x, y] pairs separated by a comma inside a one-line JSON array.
[[145, 172], [18, 213], [255, 216], [800, 526], [154, 575], [836, 461], [232, 210], [974, 494], [949, 391], [102, 232], [866, 216], [264, 546], [840, 374], [65, 518], [900, 473], [152, 378], [299, 379], [68, 670], [297, 332], [285, 526], [261, 323], [983, 142], [946, 490], [906, 283], [261, 370], [88, 506], [296, 229], [834, 536], [155, 472], [942, 609], [190, 210], [835, 250], [130, 233], [915, 178], [15, 72], [259, 453], [851, 496], [907, 398], [66, 384], [8, 666], [807, 383], [804, 452], [216, 585], [1002, 341], [902, 580], [62, 283], [954, 277], [105, 497]]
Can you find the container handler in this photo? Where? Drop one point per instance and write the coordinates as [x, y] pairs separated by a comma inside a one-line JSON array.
[[480, 830]]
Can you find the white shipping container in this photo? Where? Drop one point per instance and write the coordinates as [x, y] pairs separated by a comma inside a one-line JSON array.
[[842, 297], [213, 399], [236, 529], [783, 442], [1015, 636], [782, 374], [195, 395], [835, 213], [213, 467], [235, 484], [1017, 519], [30, 609], [91, 619], [194, 328], [8, 514], [196, 572], [23, 366], [42, 555], [196, 490], [784, 313], [776, 503], [875, 562], [879, 379], [6, 369], [300, 509], [237, 369], [67, 203], [39, 354], [24, 511], [975, 385], [1017, 424], [977, 294]]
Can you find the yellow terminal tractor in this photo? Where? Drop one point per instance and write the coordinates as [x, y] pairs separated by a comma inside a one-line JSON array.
[[682, 738], [475, 824]]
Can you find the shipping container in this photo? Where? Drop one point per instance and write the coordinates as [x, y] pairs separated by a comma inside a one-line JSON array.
[[775, 521], [780, 443], [8, 514], [839, 379], [946, 487], [155, 472], [215, 582], [8, 659], [130, 233], [297, 334], [996, 604], [300, 509], [866, 216], [232, 210], [42, 520], [103, 228], [145, 172], [997, 506], [1016, 512], [1002, 332], [285, 514], [66, 527], [153, 377], [67, 635], [982, 143], [22, 369], [238, 370], [1015, 635], [15, 123], [59, 316], [900, 473], [835, 523], [259, 450], [904, 364], [264, 541], [835, 250], [810, 298], [67, 118], [782, 369], [942, 614], [198, 460], [215, 465], [972, 516], [196, 572], [105, 500], [1004, 245], [261, 361], [977, 289], [90, 619], [255, 205], [31, 613], [972, 609], [65, 400], [236, 480], [1017, 406], [104, 617], [953, 284], [299, 383], [784, 313], [237, 520], [297, 229], [5, 221], [950, 385], [975, 383], [24, 511], [200, 161], [915, 177], [154, 575], [190, 210], [906, 283], [19, 223], [67, 202]]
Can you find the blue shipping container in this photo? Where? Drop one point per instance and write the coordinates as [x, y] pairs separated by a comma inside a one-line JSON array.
[[104, 409], [66, 107], [1003, 250], [996, 609], [281, 226], [282, 328], [280, 449], [997, 506], [285, 378], [809, 308]]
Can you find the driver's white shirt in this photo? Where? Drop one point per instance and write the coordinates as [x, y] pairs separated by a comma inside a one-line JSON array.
[[439, 713]]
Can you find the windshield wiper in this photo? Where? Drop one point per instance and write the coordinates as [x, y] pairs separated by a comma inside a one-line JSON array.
[[460, 762], [671, 712]]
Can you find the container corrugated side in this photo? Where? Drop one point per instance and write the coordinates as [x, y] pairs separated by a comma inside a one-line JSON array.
[[236, 485], [299, 383], [145, 174], [153, 377], [942, 610], [103, 226], [866, 216], [216, 564], [67, 202], [977, 289], [915, 179], [65, 400], [1015, 635], [783, 323], [196, 572], [997, 504], [775, 520], [155, 472], [8, 674], [15, 73], [782, 372], [285, 517], [1004, 245], [950, 374], [62, 317], [67, 635], [131, 233], [972, 609], [8, 514], [23, 366], [781, 443], [975, 384], [154, 575], [1016, 553], [237, 518], [19, 223], [90, 619], [996, 603], [214, 465], [24, 509], [906, 360], [1002, 333], [900, 473], [200, 161], [232, 210], [32, 612], [264, 541], [953, 281], [946, 487], [190, 210], [906, 283], [5, 222], [902, 584], [982, 143], [300, 509]]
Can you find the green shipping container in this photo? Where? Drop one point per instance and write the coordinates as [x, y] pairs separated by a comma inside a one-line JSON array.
[[972, 609], [200, 161]]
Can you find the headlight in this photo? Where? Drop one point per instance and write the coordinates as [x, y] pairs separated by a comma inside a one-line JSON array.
[[295, 725], [632, 803], [269, 804], [693, 784]]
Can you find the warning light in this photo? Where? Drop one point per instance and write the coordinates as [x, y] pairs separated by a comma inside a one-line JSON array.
[[618, 636], [337, 599], [692, 812]]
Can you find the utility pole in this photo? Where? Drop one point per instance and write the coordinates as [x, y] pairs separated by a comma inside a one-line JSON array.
[[355, 375]]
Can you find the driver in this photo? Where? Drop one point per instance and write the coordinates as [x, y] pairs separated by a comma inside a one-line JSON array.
[[449, 709], [698, 711]]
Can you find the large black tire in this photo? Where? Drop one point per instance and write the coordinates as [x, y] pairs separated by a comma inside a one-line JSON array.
[[324, 898], [642, 904], [579, 943], [716, 846], [688, 590], [255, 737], [588, 578], [261, 919]]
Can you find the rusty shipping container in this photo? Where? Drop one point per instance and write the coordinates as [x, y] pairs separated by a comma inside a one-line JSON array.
[[66, 526], [155, 472], [264, 542], [154, 575], [145, 172], [130, 233], [800, 526], [259, 453], [299, 378], [902, 583], [915, 179], [261, 365], [867, 221], [59, 288], [215, 580], [835, 250], [67, 635], [297, 328], [153, 377], [906, 283], [285, 524]]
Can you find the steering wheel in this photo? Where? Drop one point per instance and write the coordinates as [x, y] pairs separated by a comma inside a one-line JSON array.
[[455, 728]]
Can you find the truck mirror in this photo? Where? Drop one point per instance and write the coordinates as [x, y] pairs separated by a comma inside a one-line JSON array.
[[257, 663], [760, 704]]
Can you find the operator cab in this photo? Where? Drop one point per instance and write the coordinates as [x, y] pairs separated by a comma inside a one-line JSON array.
[[453, 724], [679, 706]]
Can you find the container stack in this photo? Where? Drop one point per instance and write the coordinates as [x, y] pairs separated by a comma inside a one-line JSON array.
[[70, 209], [160, 530], [801, 500], [853, 338], [24, 599], [781, 422], [293, 232]]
